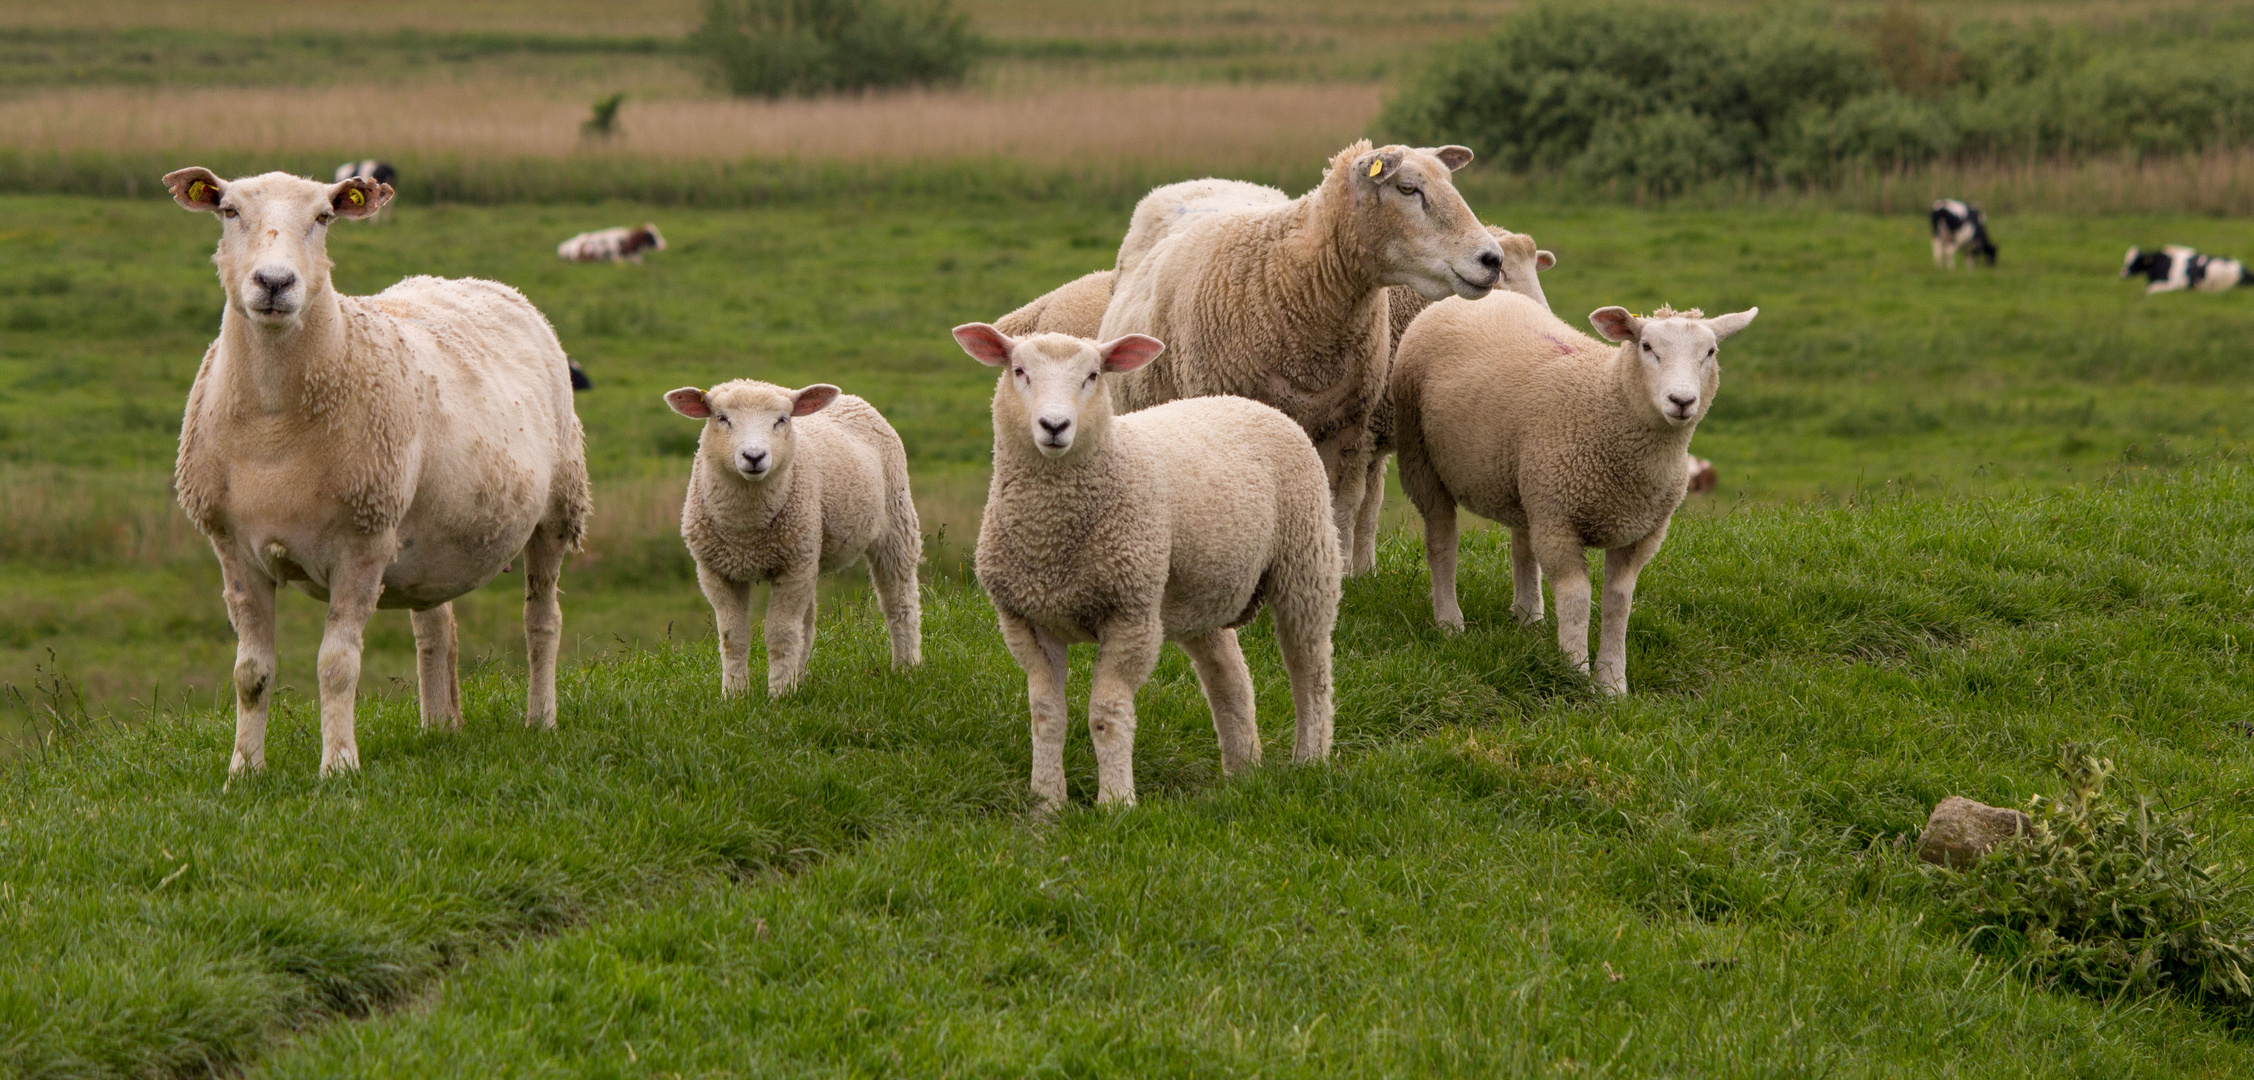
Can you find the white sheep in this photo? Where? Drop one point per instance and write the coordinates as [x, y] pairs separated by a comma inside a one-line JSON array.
[[1175, 523], [787, 484], [612, 245], [1283, 300], [395, 450], [1506, 410]]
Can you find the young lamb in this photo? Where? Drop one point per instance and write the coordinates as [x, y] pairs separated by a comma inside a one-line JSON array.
[[1283, 300], [612, 245], [1171, 524], [1506, 410], [395, 450], [787, 484]]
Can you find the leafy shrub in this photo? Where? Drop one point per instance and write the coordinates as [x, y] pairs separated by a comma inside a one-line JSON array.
[[2111, 896], [773, 48], [1657, 99]]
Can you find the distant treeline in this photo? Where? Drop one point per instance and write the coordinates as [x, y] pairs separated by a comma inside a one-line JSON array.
[[1659, 99]]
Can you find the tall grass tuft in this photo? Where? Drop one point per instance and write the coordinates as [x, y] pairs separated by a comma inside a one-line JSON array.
[[2112, 897], [774, 48]]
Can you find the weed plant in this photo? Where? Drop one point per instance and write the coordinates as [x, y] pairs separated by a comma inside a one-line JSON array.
[[2112, 896], [771, 48]]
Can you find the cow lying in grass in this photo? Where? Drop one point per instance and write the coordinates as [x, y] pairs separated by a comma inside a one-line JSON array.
[[1960, 226], [2177, 267]]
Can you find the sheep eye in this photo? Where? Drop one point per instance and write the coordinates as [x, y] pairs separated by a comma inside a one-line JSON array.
[[722, 419], [1019, 372], [781, 420], [1406, 189], [1710, 350], [324, 219], [227, 211]]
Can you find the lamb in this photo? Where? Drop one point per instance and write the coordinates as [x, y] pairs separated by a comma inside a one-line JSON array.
[[396, 450], [1283, 300], [1523, 264], [612, 245], [1508, 411], [787, 484], [1175, 523]]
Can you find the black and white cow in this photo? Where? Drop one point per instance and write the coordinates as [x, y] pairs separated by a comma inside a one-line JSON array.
[[612, 245], [1960, 226], [2177, 267]]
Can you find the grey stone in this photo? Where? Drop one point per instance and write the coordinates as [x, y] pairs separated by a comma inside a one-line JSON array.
[[1961, 831]]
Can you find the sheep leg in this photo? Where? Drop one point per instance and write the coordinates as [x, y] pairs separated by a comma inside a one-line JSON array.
[[1367, 514], [1567, 567], [731, 616], [1621, 565], [1525, 578], [354, 586], [1126, 653], [1042, 656], [1304, 618], [893, 573], [250, 606], [1440, 555], [1227, 682], [790, 630], [543, 624], [1347, 493], [438, 683]]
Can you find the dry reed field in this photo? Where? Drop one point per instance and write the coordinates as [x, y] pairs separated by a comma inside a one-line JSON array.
[[1214, 124]]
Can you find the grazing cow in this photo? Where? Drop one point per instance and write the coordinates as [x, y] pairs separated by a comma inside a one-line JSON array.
[[2177, 267], [1960, 226], [612, 245], [379, 171]]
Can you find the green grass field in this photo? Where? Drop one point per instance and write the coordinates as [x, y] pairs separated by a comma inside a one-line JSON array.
[[1497, 875]]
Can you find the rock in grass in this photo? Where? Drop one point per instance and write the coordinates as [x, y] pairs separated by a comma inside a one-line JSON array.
[[1961, 831]]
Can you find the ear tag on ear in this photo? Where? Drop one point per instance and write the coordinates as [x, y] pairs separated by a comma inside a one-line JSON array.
[[195, 190], [357, 196], [1377, 166]]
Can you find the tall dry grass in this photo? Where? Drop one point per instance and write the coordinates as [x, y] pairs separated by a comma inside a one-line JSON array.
[[1220, 124]]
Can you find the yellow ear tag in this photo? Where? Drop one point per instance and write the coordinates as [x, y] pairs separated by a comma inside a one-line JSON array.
[[357, 196], [1377, 166], [195, 190]]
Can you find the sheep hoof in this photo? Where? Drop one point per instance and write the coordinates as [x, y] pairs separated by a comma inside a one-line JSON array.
[[1448, 624]]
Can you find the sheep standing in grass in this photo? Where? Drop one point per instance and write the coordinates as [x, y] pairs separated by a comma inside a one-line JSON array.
[[395, 450], [787, 484], [1283, 300], [1171, 524], [1502, 408]]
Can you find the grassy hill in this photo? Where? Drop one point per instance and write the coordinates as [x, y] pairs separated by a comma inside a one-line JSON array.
[[1498, 875]]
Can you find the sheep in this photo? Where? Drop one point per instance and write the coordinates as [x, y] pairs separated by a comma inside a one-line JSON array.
[[786, 484], [1523, 264], [612, 245], [395, 450], [1283, 300], [1508, 411], [1175, 523]]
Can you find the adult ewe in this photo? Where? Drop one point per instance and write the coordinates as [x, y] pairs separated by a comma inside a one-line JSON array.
[[1171, 524], [1574, 444], [395, 450], [787, 484], [1283, 300]]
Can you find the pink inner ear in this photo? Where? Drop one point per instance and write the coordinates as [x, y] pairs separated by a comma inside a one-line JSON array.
[[813, 399], [1130, 352], [1543, 260], [690, 402], [986, 344], [1614, 323]]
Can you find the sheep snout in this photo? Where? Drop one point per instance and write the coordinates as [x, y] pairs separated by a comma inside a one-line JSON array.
[[1055, 434], [270, 294], [754, 464]]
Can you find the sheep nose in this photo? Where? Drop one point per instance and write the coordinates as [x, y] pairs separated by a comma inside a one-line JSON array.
[[1683, 402], [753, 459], [1491, 260], [274, 281], [1055, 427]]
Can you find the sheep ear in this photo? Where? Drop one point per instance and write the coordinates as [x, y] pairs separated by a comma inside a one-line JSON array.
[[690, 402], [1454, 157], [1130, 352], [1377, 166], [1725, 325], [987, 345], [358, 197], [195, 188], [1615, 324], [813, 399], [1543, 260]]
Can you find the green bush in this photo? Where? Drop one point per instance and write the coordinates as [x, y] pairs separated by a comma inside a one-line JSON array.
[[2111, 897], [773, 48], [1657, 99]]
